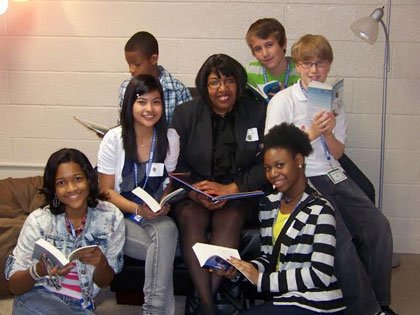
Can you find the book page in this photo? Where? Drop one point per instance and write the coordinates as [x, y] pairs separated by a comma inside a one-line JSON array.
[[75, 255], [212, 256], [54, 255], [149, 200]]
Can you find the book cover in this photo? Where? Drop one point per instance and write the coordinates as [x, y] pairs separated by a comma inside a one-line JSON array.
[[153, 204], [54, 255], [265, 91], [98, 129], [184, 179], [322, 96], [214, 257]]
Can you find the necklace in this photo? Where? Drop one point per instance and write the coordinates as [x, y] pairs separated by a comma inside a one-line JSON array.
[[75, 231], [287, 199]]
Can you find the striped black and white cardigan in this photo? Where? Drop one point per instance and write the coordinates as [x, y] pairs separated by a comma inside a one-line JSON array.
[[306, 275]]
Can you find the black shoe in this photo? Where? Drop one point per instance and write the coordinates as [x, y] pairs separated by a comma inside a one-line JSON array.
[[386, 310]]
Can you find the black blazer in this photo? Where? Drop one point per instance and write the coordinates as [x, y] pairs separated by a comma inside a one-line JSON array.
[[193, 123]]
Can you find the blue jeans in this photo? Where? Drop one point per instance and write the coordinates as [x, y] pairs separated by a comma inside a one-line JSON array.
[[154, 242], [364, 246], [270, 309], [40, 301]]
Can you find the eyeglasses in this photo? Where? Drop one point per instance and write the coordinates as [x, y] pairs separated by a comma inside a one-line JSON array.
[[318, 64], [216, 84]]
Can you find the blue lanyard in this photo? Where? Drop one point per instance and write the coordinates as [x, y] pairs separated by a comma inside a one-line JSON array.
[[286, 76], [149, 162]]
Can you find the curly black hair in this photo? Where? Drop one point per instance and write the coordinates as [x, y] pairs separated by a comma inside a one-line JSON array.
[[288, 136], [67, 155]]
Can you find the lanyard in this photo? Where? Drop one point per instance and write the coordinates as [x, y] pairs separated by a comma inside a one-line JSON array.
[[286, 76], [149, 162]]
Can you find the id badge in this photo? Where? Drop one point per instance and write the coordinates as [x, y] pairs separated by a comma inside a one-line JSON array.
[[136, 218], [336, 175], [156, 170], [252, 135]]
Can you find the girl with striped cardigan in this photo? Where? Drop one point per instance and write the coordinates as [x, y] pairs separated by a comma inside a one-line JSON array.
[[296, 265]]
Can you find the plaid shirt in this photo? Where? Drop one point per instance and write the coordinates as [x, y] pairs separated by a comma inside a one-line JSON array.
[[174, 92]]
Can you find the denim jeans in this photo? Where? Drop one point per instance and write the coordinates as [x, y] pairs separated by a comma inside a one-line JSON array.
[[154, 242], [40, 301], [364, 265]]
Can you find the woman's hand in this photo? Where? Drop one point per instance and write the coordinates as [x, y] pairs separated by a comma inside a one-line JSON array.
[[230, 273], [164, 210], [93, 256], [247, 269], [205, 201], [147, 213], [216, 189]]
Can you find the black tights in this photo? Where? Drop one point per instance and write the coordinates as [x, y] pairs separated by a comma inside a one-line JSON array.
[[224, 224]]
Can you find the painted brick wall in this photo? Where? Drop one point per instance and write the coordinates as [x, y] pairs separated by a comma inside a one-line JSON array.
[[65, 58]]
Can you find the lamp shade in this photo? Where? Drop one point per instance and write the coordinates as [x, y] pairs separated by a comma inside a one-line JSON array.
[[4, 4], [367, 28]]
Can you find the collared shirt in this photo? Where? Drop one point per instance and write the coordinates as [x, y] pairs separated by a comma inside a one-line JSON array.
[[104, 227], [174, 92]]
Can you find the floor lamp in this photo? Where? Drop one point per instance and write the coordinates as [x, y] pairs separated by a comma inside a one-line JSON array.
[[367, 28]]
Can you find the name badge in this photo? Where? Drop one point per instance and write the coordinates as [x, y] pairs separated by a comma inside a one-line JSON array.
[[156, 170], [336, 175], [252, 135]]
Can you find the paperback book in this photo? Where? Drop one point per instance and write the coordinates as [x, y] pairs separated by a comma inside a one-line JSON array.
[[98, 129], [54, 255], [153, 204], [184, 180], [265, 91], [322, 96], [213, 256]]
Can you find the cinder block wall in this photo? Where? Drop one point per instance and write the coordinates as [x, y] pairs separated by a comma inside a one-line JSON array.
[[65, 58]]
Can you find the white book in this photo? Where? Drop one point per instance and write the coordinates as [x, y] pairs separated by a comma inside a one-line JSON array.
[[213, 256], [153, 204], [54, 255], [322, 96], [99, 129]]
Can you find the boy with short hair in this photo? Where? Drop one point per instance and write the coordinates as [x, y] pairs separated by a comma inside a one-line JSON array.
[[142, 54], [267, 40], [365, 275]]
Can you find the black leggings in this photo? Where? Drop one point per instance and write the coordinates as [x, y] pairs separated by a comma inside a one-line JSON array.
[[219, 227]]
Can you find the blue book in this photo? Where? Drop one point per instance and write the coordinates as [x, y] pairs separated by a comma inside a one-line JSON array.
[[213, 256], [265, 91], [322, 96], [185, 180]]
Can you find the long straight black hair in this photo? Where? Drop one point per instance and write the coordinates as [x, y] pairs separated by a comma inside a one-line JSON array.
[[139, 85]]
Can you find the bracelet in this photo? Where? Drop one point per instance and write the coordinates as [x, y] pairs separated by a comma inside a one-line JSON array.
[[34, 273], [136, 210]]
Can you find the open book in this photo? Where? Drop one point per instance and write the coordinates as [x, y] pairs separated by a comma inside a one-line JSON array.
[[185, 180], [322, 96], [266, 90], [99, 129], [214, 257], [54, 255], [152, 203]]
